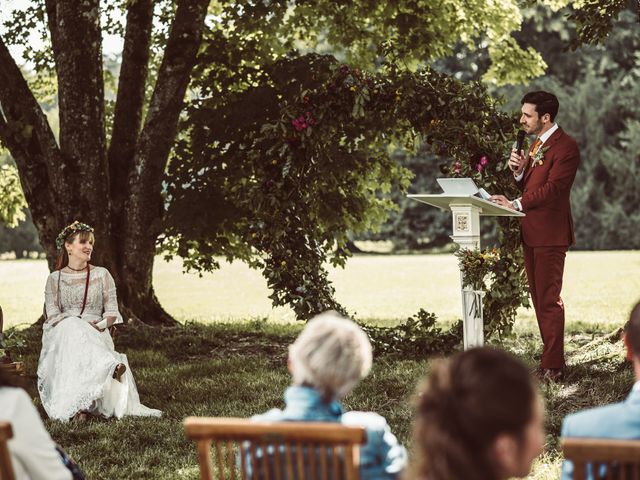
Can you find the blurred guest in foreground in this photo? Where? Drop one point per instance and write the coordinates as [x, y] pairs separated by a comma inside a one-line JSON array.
[[326, 362], [617, 421], [479, 417], [33, 453]]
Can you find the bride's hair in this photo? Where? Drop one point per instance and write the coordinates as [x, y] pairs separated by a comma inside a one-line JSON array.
[[63, 256], [466, 403]]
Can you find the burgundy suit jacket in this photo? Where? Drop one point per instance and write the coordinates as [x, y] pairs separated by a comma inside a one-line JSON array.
[[546, 191]]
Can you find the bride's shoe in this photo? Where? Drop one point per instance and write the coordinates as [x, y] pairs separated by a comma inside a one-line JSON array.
[[119, 371], [81, 417]]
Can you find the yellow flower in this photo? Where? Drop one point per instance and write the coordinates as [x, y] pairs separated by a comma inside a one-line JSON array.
[[283, 264], [274, 162]]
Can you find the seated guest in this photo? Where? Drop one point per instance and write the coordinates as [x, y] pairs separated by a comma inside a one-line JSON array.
[[479, 417], [33, 453], [326, 361], [618, 421]]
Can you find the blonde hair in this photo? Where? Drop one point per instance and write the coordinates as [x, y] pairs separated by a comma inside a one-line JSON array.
[[331, 355]]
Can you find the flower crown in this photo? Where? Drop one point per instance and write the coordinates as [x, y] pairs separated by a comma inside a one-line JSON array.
[[69, 230]]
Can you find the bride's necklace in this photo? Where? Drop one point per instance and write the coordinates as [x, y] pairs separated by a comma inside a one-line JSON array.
[[77, 270]]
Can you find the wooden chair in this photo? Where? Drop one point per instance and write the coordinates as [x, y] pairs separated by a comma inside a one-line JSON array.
[[620, 457], [6, 468], [296, 450]]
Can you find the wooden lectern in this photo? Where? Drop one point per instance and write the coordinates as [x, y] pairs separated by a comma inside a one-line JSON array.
[[467, 210]]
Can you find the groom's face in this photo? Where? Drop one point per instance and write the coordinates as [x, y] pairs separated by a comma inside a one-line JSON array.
[[530, 120]]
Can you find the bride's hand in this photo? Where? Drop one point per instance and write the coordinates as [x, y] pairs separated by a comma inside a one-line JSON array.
[[94, 325]]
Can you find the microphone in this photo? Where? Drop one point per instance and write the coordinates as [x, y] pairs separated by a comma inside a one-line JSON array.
[[519, 142]]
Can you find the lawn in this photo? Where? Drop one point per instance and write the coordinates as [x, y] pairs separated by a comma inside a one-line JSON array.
[[599, 288], [237, 367]]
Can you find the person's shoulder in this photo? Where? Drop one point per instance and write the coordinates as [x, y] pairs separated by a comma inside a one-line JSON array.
[[567, 139], [273, 415], [14, 396], [369, 420], [98, 270], [594, 421]]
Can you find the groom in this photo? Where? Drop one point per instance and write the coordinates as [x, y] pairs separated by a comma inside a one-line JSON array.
[[544, 176]]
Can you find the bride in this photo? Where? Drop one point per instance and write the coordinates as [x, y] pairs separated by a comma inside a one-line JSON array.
[[79, 372]]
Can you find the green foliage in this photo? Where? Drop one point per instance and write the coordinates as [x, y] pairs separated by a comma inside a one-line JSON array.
[[12, 201], [417, 337], [284, 189], [500, 275], [595, 19]]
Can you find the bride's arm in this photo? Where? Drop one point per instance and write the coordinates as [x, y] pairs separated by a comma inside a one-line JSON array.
[[110, 300], [52, 302]]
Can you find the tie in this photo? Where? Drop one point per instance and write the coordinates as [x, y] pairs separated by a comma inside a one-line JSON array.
[[535, 148]]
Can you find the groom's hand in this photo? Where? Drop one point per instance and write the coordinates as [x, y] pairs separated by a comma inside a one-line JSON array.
[[502, 201], [516, 162]]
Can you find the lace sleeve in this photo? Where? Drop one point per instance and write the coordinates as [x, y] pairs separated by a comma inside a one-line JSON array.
[[52, 301], [109, 298]]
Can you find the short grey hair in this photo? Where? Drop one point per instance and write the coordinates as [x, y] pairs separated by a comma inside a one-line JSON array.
[[331, 355]]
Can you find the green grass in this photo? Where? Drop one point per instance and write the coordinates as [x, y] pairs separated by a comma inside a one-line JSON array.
[[229, 369], [238, 367]]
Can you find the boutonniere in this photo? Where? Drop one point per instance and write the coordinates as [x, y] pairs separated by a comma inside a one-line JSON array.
[[538, 158]]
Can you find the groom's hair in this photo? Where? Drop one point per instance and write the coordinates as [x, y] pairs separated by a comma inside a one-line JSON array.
[[632, 330], [545, 102]]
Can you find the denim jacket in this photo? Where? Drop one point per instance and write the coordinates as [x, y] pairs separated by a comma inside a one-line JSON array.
[[619, 421], [381, 457]]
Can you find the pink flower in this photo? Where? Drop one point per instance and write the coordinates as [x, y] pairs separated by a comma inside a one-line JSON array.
[[479, 167], [484, 160]]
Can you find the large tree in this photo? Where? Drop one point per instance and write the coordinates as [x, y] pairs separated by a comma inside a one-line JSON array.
[[108, 165], [115, 186]]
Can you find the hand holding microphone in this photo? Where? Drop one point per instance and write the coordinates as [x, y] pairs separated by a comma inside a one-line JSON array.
[[516, 161]]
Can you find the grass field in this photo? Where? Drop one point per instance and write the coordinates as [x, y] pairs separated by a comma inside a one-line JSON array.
[[237, 367]]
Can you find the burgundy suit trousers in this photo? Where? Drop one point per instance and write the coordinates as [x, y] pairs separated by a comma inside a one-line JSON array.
[[545, 266]]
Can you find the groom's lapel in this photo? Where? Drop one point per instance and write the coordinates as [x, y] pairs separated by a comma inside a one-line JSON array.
[[546, 146]]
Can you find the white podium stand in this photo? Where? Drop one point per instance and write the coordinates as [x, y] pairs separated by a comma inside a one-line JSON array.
[[467, 211]]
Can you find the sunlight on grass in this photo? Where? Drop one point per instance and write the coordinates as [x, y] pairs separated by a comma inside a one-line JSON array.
[[599, 289]]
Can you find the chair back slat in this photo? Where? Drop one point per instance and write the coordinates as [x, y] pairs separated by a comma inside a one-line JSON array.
[[300, 460], [231, 460], [313, 462], [289, 460], [219, 459], [620, 458], [276, 450], [254, 460], [335, 462], [243, 461], [6, 467], [265, 460], [278, 460], [324, 462]]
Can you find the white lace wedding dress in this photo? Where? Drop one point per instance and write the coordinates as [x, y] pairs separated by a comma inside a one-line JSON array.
[[76, 366]]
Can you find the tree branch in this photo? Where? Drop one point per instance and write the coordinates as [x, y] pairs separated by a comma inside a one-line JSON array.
[[144, 206], [25, 131], [130, 99]]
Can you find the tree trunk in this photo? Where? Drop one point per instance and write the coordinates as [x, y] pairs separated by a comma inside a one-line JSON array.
[[117, 190]]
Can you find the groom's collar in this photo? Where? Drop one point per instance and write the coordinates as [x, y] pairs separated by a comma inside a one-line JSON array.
[[546, 135]]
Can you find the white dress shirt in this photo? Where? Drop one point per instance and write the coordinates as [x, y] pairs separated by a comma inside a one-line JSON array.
[[543, 138], [32, 451]]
